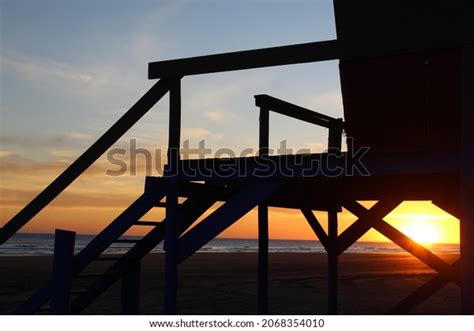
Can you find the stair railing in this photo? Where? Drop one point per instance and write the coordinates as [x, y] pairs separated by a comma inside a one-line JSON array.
[[132, 116]]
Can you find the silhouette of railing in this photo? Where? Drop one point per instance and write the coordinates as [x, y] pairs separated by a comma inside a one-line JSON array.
[[250, 194], [174, 70], [266, 104], [84, 161], [122, 267]]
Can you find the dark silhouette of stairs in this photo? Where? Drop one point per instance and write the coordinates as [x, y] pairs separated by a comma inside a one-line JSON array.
[[189, 211], [237, 205]]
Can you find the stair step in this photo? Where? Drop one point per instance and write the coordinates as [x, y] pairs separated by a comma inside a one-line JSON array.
[[127, 241], [147, 223]]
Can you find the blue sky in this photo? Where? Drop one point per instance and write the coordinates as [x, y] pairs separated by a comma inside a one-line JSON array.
[[77, 65], [69, 69]]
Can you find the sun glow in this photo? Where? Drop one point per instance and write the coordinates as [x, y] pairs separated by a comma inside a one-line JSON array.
[[422, 233], [422, 221]]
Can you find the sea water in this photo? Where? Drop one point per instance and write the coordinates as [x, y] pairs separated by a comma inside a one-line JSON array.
[[43, 244]]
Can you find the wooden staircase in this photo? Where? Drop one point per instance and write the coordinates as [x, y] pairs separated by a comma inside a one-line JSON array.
[[92, 252], [242, 201], [189, 211]]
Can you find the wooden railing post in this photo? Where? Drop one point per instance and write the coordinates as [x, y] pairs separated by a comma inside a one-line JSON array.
[[335, 134], [262, 300], [64, 242], [131, 280], [171, 228]]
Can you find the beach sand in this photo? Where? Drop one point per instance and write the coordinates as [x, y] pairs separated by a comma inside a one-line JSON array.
[[225, 283]]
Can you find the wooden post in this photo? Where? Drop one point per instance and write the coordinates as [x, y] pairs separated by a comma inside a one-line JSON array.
[[335, 134], [131, 288], [262, 300], [334, 145], [466, 194], [64, 242], [171, 228], [332, 261], [467, 247], [264, 131]]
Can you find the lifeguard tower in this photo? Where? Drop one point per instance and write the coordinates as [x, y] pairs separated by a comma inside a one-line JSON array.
[[407, 76]]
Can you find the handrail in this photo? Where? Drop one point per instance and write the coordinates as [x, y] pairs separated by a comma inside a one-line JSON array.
[[250, 59], [268, 103], [117, 130], [291, 110]]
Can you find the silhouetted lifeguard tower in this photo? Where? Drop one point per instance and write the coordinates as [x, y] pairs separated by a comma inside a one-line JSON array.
[[407, 75]]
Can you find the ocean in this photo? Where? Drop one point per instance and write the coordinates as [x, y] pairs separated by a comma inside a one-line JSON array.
[[43, 244]]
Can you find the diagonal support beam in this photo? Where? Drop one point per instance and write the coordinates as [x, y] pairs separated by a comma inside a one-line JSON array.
[[115, 229], [415, 249], [97, 245], [189, 212], [316, 226], [84, 161], [424, 292], [408, 244], [367, 217], [236, 207], [446, 272]]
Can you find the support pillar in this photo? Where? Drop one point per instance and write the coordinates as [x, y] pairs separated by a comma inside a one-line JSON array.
[[466, 199], [262, 303], [466, 182], [332, 251], [171, 228], [262, 300], [467, 249], [334, 145]]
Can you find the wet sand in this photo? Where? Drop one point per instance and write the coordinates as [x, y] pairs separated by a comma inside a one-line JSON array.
[[225, 283]]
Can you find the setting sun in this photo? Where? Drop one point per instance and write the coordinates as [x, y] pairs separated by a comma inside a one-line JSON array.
[[424, 222], [422, 233]]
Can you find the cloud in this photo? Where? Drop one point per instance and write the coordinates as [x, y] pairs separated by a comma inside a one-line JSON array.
[[63, 155], [214, 115], [194, 133], [148, 43], [329, 103], [20, 169], [89, 79], [317, 147], [72, 141], [5, 154], [26, 167], [39, 69], [223, 96], [18, 197], [78, 135]]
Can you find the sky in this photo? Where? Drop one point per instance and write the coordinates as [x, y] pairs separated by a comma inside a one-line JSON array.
[[70, 69]]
